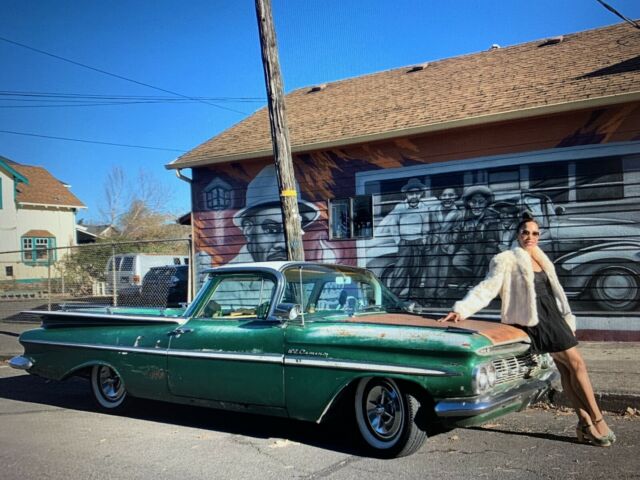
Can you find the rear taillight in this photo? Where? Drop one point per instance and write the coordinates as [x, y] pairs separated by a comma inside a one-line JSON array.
[[136, 279]]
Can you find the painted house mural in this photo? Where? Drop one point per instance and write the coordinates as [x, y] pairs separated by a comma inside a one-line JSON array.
[[425, 202]]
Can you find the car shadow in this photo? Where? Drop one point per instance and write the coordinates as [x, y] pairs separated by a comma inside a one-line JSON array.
[[544, 436], [74, 394]]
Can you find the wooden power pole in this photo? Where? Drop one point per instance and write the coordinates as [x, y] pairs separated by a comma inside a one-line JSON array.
[[280, 133]]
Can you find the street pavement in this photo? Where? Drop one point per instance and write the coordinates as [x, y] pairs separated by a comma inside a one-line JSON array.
[[53, 430], [614, 367]]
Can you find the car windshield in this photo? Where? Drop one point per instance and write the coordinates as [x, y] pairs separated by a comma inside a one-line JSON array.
[[335, 291]]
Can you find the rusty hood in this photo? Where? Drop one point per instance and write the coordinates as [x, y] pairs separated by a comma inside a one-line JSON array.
[[497, 333]]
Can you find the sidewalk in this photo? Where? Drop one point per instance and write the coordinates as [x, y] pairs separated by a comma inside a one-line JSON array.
[[614, 367]]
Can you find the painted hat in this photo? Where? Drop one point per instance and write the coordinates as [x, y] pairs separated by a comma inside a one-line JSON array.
[[481, 189], [413, 185], [263, 192]]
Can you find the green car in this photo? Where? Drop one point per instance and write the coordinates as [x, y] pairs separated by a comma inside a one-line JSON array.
[[297, 340]]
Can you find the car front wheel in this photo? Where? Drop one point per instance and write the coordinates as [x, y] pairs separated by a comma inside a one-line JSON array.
[[386, 418], [108, 387]]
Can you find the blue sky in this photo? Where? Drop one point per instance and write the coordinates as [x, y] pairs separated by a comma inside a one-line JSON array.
[[211, 49]]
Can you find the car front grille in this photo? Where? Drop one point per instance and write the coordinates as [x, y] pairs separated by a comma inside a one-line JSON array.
[[514, 368]]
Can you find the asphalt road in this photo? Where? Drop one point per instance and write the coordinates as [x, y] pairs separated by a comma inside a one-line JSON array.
[[51, 430]]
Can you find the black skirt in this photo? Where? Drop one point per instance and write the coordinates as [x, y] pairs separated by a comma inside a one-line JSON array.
[[552, 333]]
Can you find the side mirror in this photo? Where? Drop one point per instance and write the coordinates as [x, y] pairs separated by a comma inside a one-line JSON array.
[[287, 311], [409, 306], [560, 210]]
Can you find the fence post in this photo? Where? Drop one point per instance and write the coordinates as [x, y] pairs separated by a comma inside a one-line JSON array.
[[114, 275]]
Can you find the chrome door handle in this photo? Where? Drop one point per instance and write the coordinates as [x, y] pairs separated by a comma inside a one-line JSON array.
[[179, 331]]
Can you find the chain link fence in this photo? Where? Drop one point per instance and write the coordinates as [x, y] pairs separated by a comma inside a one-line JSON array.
[[154, 273]]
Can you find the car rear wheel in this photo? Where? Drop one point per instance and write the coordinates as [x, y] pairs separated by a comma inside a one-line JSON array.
[[108, 387], [386, 418], [616, 288]]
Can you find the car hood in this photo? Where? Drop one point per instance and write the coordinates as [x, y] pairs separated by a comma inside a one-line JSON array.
[[496, 333]]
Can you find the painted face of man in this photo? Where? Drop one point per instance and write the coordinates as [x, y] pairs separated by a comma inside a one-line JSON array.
[[413, 198], [448, 198], [477, 203], [265, 235]]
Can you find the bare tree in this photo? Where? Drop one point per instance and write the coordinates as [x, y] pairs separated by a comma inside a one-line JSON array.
[[139, 207]]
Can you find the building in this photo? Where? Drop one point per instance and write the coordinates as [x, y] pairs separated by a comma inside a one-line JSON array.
[[419, 173], [37, 214]]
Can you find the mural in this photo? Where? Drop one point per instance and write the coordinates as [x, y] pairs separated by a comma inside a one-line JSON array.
[[431, 244], [426, 214]]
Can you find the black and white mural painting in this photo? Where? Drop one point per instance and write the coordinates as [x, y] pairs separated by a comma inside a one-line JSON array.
[[437, 227]]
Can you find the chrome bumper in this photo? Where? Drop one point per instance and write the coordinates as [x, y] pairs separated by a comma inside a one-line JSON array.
[[524, 394], [21, 363]]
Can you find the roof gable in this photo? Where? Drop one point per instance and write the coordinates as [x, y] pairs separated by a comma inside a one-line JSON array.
[[596, 67], [43, 189]]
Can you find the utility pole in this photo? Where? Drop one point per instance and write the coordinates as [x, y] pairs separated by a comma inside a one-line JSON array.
[[280, 133]]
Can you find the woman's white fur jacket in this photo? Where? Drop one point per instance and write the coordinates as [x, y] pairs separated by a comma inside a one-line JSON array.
[[511, 275]]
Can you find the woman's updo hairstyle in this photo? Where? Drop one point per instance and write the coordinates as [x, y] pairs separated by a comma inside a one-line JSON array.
[[526, 218]]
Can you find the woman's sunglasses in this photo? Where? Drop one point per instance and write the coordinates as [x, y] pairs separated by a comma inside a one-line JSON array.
[[526, 233]]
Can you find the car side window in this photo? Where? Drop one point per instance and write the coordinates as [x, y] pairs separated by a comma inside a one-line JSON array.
[[239, 296]]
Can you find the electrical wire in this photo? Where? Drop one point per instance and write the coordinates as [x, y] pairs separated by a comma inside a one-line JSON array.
[[104, 72], [91, 141], [616, 12]]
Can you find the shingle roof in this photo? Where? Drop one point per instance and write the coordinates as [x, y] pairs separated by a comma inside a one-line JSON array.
[[43, 188], [595, 67], [39, 233]]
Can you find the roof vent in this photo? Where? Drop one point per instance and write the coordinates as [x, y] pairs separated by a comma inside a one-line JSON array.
[[418, 68], [495, 46], [317, 88], [552, 41]]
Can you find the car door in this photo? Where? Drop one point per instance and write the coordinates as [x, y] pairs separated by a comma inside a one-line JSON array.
[[229, 352]]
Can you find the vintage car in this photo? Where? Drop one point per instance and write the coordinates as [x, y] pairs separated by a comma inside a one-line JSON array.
[[298, 340]]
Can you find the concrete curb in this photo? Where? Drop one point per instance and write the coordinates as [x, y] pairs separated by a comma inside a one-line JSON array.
[[608, 401]]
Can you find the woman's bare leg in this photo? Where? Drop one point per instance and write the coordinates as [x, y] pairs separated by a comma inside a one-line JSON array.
[[581, 387], [567, 387]]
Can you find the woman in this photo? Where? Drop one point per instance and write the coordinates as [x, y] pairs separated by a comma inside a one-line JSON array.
[[533, 299]]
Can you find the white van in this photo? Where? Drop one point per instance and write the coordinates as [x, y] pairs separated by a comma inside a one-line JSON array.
[[130, 268]]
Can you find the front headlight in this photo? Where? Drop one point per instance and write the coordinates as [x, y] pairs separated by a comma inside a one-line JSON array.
[[484, 377], [546, 361]]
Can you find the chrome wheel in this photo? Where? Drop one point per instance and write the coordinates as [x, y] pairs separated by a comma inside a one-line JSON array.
[[386, 418], [107, 387], [384, 410]]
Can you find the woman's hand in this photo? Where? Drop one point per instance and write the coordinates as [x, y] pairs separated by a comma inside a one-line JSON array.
[[451, 317]]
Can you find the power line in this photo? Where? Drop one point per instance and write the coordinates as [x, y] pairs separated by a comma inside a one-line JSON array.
[[23, 93], [73, 62], [616, 12], [91, 141]]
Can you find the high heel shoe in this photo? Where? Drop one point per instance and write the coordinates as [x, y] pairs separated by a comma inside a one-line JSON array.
[[583, 432], [610, 436]]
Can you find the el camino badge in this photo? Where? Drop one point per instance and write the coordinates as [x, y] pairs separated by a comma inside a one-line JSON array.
[[307, 353]]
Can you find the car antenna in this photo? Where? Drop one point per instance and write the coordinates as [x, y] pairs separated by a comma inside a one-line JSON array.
[[301, 295]]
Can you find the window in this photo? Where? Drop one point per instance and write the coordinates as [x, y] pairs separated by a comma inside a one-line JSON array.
[[504, 180], [599, 179], [38, 249], [552, 179], [8, 271], [351, 217], [240, 296]]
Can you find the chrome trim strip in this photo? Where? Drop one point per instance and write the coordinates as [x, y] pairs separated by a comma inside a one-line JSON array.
[[20, 363], [361, 366], [250, 357], [152, 351], [107, 316], [240, 357]]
